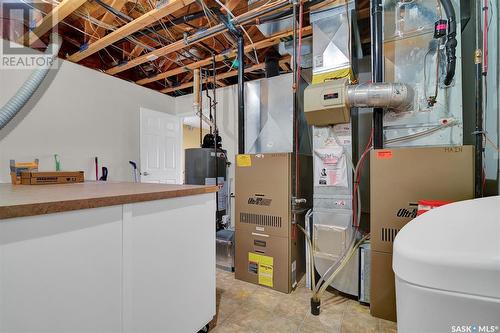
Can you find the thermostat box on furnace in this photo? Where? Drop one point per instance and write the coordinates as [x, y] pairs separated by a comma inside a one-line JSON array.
[[54, 177], [325, 103]]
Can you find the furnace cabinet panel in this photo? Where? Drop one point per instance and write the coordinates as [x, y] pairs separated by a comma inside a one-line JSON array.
[[399, 178], [264, 229]]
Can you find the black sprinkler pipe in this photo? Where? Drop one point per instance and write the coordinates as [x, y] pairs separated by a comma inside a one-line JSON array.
[[178, 20], [451, 43], [241, 95], [478, 87], [377, 69], [216, 136]]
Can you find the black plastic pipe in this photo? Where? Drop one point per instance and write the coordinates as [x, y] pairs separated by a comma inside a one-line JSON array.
[[377, 69], [216, 135], [478, 87], [175, 21], [295, 64], [451, 43], [241, 95]]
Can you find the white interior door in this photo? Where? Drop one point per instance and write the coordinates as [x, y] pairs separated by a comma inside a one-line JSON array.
[[161, 135]]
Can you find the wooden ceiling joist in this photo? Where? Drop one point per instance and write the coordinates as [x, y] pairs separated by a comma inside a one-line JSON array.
[[231, 5], [226, 75], [158, 27], [107, 18], [58, 13], [173, 47], [129, 28], [273, 40], [284, 66]]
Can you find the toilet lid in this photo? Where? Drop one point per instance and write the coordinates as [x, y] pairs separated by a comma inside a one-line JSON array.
[[454, 248]]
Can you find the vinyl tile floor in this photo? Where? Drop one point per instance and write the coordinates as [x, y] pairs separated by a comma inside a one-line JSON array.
[[245, 307]]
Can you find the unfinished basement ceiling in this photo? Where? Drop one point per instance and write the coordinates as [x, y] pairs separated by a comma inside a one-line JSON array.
[[143, 41]]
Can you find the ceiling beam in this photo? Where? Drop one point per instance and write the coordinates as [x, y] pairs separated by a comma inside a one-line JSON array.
[[129, 28], [273, 40], [284, 66], [226, 75], [231, 5], [108, 19], [58, 13], [176, 46], [188, 77], [210, 79], [136, 51]]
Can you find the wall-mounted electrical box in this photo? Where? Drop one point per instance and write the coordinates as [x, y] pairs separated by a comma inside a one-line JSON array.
[[325, 103]]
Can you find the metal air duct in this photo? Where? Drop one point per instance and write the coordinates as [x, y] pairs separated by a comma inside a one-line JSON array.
[[394, 96]]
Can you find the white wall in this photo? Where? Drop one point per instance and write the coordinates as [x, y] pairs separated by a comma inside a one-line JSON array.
[[77, 113]]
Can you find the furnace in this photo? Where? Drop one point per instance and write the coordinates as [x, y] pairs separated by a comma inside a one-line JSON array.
[[269, 247]]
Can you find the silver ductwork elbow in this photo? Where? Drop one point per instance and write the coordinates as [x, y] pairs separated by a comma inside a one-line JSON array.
[[398, 97]]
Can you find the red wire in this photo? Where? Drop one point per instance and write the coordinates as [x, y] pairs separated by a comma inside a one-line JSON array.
[[357, 176]]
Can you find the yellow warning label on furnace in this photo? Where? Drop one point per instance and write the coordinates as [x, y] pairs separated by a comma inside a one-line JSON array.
[[264, 268], [243, 160]]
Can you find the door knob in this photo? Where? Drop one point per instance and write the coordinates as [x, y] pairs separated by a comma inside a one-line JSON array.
[[145, 173]]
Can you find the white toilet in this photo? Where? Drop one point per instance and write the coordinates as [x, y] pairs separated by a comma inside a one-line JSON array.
[[447, 268]]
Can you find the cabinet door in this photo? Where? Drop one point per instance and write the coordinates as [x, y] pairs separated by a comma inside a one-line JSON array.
[[169, 264], [62, 272]]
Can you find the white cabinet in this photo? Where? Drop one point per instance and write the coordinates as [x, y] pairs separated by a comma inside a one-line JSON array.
[[142, 267], [62, 272], [169, 264]]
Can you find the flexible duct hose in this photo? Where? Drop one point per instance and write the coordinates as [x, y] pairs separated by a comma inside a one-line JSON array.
[[19, 100], [451, 43]]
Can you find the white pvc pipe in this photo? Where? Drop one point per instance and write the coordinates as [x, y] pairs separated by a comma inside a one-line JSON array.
[[23, 95]]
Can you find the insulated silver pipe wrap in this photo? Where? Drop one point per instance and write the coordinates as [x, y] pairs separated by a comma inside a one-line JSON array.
[[22, 96], [394, 96]]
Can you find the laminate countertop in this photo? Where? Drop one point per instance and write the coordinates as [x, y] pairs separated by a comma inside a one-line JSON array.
[[29, 200]]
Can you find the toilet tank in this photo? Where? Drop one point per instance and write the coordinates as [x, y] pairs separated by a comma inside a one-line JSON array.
[[447, 268]]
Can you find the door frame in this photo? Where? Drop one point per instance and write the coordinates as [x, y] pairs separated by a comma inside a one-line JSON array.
[[181, 141]]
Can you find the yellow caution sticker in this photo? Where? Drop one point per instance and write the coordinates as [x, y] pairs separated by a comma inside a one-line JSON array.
[[243, 160], [265, 268]]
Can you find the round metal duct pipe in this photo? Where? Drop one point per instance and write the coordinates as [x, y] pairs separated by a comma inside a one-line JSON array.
[[394, 96]]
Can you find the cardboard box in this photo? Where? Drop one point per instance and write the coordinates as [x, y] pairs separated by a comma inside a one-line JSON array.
[[16, 168], [55, 177], [399, 179], [269, 249]]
